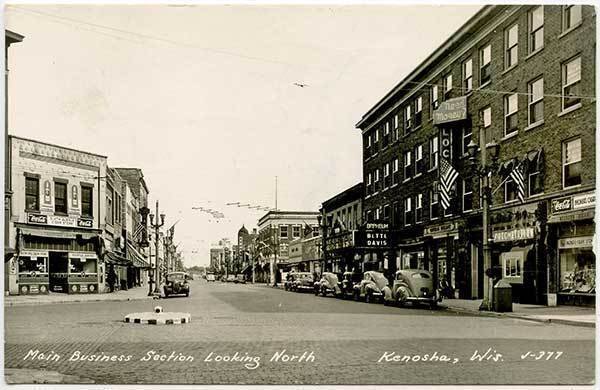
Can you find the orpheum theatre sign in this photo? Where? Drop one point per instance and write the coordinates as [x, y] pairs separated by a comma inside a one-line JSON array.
[[376, 235], [451, 110], [58, 220]]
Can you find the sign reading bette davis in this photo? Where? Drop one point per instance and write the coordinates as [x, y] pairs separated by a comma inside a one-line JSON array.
[[451, 111], [375, 235]]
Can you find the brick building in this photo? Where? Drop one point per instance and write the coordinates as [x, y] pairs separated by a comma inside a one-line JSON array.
[[521, 76]]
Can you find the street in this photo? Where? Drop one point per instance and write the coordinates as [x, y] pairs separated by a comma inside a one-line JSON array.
[[249, 334]]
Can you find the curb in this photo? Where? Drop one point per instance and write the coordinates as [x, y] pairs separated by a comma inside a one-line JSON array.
[[522, 317], [34, 303], [159, 319]]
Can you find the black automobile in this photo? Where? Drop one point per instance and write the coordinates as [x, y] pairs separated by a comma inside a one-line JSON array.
[[349, 280], [328, 284], [176, 283]]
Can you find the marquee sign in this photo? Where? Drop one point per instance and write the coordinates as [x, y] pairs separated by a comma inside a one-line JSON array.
[[451, 110]]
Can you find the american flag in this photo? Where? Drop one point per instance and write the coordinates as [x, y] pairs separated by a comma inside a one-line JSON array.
[[137, 233], [448, 176], [517, 175]]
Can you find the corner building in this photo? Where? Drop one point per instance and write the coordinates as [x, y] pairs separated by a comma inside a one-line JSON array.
[[520, 76]]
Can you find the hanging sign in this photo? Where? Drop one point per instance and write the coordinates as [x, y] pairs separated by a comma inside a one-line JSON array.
[[451, 110]]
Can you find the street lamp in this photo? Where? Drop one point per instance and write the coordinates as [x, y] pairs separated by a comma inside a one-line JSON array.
[[156, 227], [484, 170]]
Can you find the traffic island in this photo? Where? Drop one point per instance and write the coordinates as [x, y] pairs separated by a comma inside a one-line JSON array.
[[158, 317]]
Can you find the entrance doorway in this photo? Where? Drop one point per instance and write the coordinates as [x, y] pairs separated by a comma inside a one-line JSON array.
[[58, 267]]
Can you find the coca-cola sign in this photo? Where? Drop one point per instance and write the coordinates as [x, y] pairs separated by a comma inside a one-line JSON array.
[[575, 202], [37, 218], [562, 204], [58, 220]]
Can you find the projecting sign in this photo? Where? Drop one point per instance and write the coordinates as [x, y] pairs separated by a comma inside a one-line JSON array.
[[451, 111]]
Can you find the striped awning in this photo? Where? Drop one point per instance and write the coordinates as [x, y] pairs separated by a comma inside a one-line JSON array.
[[136, 257]]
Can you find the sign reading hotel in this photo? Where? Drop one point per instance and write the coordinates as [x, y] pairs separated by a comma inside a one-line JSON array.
[[451, 111], [514, 234], [58, 220]]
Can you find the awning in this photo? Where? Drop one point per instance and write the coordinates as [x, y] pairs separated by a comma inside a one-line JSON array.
[[8, 253], [113, 258], [136, 257], [52, 233], [572, 216]]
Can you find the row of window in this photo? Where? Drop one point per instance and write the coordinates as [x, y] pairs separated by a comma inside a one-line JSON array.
[[296, 231], [570, 92], [32, 197]]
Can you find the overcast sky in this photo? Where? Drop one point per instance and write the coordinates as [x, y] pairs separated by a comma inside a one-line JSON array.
[[202, 98]]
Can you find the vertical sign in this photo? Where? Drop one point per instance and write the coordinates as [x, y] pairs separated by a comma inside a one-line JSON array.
[[47, 192], [446, 143], [74, 197]]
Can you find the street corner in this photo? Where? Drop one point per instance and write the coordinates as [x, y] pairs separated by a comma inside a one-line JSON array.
[[13, 376]]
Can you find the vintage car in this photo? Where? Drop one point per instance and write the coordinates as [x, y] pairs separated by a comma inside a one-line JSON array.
[[176, 283], [349, 280], [373, 288], [414, 285], [328, 284], [240, 278], [300, 281], [210, 277], [230, 278]]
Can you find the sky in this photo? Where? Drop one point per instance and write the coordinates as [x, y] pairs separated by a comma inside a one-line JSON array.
[[203, 98]]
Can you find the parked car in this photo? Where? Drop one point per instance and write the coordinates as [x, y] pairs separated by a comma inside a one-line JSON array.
[[230, 278], [373, 288], [349, 280], [240, 278], [415, 286], [288, 279], [176, 283], [299, 281], [328, 284], [210, 278]]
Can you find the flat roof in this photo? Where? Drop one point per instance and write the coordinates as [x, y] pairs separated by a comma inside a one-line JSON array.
[[56, 146]]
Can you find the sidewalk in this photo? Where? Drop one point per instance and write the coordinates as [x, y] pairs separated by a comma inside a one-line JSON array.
[[137, 293], [568, 315]]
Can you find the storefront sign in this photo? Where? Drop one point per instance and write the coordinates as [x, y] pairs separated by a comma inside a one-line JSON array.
[[376, 239], [514, 234], [437, 229], [33, 253], [83, 255], [58, 220], [375, 226], [451, 110], [576, 242], [575, 202], [574, 216]]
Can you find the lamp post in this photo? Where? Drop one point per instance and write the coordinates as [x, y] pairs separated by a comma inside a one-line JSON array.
[[484, 170], [156, 227], [322, 221]]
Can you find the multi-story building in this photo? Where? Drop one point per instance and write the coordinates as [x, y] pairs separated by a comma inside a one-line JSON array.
[[9, 38], [519, 76], [57, 218], [276, 229]]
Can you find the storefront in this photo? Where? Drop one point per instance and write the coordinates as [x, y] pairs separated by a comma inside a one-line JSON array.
[[440, 257], [571, 235]]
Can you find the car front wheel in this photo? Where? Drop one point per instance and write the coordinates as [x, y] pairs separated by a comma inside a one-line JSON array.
[[356, 296]]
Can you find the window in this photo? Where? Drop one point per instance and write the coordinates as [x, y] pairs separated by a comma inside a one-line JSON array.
[[510, 113], [396, 124], [467, 198], [447, 86], [467, 135], [433, 152], [536, 101], [386, 134], [572, 163], [315, 231], [369, 183], [60, 198], [419, 165], [396, 216], [571, 16], [386, 212], [109, 205], [395, 172], [375, 141], [486, 114], [418, 208], [571, 81], [32, 194], [512, 265], [369, 216], [407, 165], [511, 46], [296, 231], [407, 119], [435, 99], [535, 184], [434, 204], [485, 70], [377, 184], [408, 212], [87, 201], [536, 29], [468, 75], [387, 180], [418, 111], [510, 190], [283, 231]]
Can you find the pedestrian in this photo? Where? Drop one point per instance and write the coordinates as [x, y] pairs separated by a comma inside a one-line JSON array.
[[111, 278]]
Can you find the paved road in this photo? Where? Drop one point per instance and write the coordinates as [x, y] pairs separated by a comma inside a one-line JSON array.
[[343, 342]]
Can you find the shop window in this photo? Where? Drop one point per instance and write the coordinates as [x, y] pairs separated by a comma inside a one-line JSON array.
[[419, 208], [28, 264], [571, 83], [467, 195], [60, 197], [536, 29], [468, 75], [511, 107], [572, 163], [511, 46], [577, 270], [536, 101], [434, 152], [485, 66], [510, 190], [434, 205], [87, 201], [32, 194], [78, 265], [283, 231], [419, 163], [512, 267], [571, 16], [408, 167], [408, 212]]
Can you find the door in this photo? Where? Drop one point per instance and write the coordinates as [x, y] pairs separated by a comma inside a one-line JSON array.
[[58, 266]]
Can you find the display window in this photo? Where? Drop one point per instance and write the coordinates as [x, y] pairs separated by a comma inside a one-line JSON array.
[[577, 270], [28, 264], [413, 260], [79, 265]]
